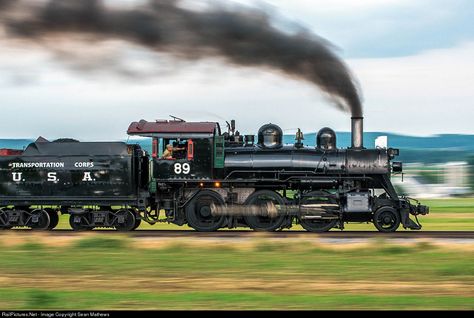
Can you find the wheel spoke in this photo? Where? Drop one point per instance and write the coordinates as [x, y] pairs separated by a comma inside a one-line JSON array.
[[264, 223], [317, 225]]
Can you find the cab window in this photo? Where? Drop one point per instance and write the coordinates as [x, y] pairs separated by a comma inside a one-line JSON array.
[[173, 149]]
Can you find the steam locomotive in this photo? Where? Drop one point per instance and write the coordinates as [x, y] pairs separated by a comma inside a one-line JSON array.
[[213, 180]]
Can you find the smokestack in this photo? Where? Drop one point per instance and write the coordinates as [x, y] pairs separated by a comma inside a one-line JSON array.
[[357, 132]]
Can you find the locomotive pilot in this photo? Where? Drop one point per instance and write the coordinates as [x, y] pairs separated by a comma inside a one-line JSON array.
[[168, 153]]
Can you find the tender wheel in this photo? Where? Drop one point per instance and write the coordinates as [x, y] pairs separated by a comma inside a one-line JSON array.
[[137, 224], [386, 219], [78, 223], [198, 212], [317, 225], [138, 221], [39, 220], [4, 220], [54, 218], [264, 223], [126, 221]]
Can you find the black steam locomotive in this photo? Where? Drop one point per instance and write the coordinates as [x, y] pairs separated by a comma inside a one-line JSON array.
[[207, 179]]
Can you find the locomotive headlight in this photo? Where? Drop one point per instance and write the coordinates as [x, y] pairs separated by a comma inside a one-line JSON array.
[[397, 166], [393, 152]]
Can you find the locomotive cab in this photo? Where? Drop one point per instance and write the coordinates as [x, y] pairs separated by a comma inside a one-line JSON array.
[[188, 159], [181, 150]]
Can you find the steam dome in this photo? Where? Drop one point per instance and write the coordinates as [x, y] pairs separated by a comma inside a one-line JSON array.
[[270, 136], [326, 139]]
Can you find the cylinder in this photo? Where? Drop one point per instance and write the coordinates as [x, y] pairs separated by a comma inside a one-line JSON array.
[[357, 132]]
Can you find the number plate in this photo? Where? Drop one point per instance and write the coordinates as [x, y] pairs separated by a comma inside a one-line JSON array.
[[182, 168]]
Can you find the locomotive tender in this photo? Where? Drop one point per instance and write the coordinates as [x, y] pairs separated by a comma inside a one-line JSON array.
[[213, 180]]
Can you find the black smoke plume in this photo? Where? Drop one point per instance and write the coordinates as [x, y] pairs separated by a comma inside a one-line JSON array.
[[238, 35]]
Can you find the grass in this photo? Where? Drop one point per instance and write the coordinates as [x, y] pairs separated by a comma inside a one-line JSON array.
[[101, 243], [44, 300], [98, 272]]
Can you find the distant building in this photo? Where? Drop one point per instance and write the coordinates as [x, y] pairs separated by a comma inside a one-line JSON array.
[[452, 180], [456, 174], [456, 178]]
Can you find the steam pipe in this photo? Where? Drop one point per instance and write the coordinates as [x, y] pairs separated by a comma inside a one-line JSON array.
[[357, 132]]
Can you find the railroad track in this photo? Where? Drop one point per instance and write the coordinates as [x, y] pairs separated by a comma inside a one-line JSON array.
[[305, 234], [339, 235]]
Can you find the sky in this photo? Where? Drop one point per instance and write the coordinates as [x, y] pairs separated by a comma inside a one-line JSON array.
[[413, 60]]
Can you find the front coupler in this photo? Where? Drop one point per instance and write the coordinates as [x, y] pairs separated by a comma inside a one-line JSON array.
[[407, 208]]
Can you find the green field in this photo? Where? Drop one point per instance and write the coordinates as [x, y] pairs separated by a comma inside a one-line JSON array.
[[114, 272], [445, 215]]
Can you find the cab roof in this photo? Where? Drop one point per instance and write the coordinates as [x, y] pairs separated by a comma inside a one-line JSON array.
[[173, 129]]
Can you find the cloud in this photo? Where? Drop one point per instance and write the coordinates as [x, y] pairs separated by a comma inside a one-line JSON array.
[[371, 28]]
